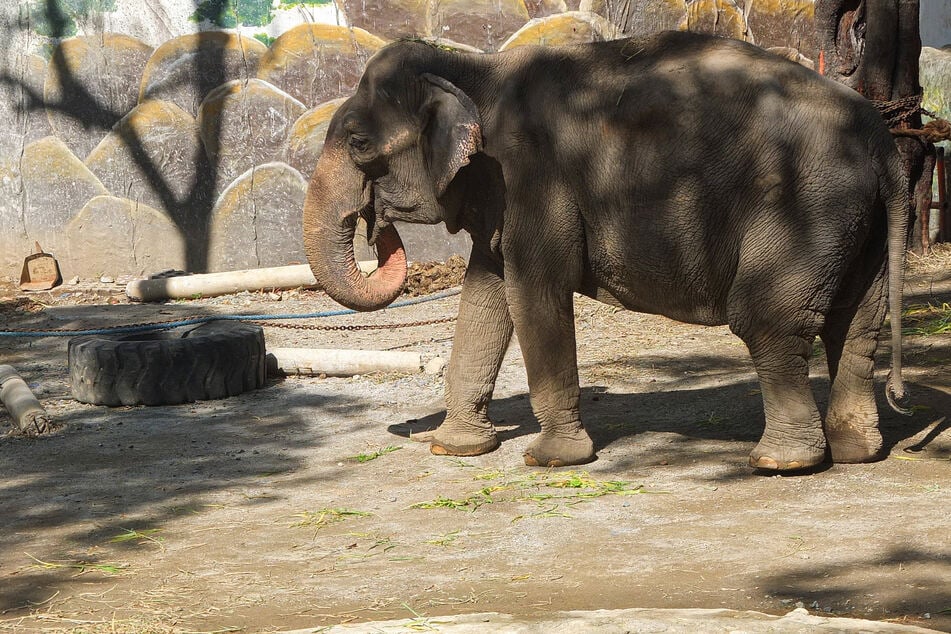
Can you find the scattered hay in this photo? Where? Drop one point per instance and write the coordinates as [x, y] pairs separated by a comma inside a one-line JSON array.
[[325, 517], [373, 455], [80, 566], [937, 259], [573, 488], [927, 319], [139, 537]]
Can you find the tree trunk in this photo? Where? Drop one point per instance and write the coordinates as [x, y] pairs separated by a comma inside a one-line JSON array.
[[873, 46]]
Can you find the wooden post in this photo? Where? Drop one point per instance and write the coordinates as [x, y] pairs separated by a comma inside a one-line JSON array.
[[943, 188]]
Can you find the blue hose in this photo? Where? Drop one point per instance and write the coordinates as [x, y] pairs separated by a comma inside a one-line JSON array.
[[119, 330]]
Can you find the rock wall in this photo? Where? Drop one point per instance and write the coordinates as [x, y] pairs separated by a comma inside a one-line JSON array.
[[139, 135]]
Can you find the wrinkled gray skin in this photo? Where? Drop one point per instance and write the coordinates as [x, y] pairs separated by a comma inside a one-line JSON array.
[[695, 177]]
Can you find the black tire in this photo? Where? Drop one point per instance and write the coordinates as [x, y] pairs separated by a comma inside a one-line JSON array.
[[213, 360]]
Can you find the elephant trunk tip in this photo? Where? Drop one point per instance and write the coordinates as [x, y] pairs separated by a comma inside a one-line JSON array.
[[387, 281], [347, 285]]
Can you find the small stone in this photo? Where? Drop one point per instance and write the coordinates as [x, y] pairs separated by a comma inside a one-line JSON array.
[[435, 366], [105, 279], [74, 280]]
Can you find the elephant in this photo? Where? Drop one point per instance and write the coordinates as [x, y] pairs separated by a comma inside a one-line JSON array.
[[685, 175]]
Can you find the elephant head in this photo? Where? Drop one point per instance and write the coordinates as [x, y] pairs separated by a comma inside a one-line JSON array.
[[391, 151]]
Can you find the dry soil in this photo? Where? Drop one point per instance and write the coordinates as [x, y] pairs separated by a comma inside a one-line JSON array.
[[305, 503]]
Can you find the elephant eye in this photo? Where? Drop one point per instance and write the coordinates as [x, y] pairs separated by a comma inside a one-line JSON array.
[[359, 143]]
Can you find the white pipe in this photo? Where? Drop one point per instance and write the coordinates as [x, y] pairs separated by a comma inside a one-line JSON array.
[[317, 361], [26, 411], [213, 284]]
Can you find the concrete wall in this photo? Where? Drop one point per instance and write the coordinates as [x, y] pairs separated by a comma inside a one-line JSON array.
[[140, 135]]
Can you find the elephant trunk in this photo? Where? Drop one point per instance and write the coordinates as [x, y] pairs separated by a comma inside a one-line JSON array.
[[334, 200]]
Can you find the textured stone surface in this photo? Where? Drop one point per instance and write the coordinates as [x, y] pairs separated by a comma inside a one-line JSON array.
[[788, 23], [716, 17], [306, 138], [318, 62], [13, 241], [91, 83], [32, 123], [544, 8], [485, 24], [22, 108], [120, 236], [161, 166], [639, 17], [56, 185], [574, 27], [646, 17], [257, 220], [19, 125], [244, 124], [391, 19], [185, 69]]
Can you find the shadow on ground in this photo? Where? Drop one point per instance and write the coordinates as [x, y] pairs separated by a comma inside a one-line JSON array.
[[730, 413]]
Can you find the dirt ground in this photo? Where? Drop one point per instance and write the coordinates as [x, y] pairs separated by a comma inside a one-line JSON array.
[[305, 503]]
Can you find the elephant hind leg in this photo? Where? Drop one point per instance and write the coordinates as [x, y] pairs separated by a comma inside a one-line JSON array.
[[793, 438], [779, 334], [851, 337]]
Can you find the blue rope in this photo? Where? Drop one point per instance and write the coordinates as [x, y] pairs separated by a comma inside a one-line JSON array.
[[119, 330]]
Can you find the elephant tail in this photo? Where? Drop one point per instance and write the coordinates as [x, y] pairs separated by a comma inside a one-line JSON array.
[[894, 192]]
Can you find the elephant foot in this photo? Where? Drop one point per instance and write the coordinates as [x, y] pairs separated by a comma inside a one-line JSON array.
[[850, 443], [785, 458], [552, 449], [445, 441]]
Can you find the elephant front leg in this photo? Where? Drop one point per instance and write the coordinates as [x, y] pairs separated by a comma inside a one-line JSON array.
[[483, 332], [546, 335]]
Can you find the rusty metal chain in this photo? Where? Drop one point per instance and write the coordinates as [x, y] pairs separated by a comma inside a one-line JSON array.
[[410, 324], [258, 322], [900, 110]]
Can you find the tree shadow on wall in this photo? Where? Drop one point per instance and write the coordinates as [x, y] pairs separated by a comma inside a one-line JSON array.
[[189, 206]]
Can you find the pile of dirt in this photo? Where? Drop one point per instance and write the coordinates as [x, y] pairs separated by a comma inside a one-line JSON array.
[[425, 278]]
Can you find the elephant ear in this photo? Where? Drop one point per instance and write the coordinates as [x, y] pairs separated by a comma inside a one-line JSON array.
[[453, 133]]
